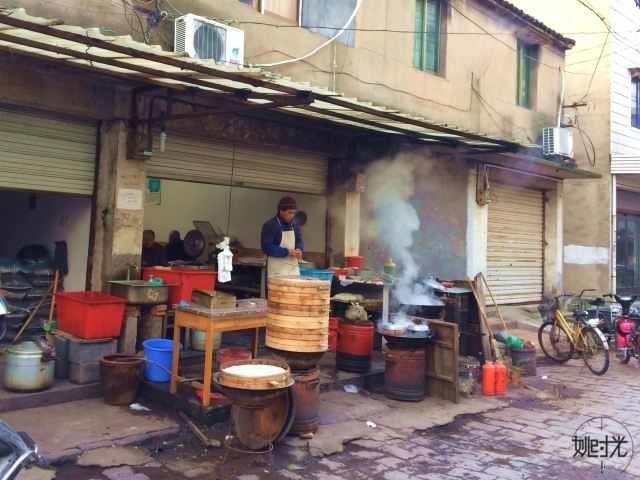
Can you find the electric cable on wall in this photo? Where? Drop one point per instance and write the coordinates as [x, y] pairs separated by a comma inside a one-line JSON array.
[[318, 48]]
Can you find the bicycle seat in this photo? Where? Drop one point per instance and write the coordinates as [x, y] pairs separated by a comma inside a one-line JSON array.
[[581, 313], [598, 302]]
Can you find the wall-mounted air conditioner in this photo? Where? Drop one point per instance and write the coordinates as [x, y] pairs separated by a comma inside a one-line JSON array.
[[206, 39], [557, 141]]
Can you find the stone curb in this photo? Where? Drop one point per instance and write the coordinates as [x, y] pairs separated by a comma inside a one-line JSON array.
[[72, 454]]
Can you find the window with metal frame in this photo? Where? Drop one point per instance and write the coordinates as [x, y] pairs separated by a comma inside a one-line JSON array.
[[635, 102], [428, 28], [527, 68]]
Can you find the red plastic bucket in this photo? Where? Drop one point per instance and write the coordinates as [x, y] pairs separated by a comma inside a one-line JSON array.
[[231, 354], [334, 323], [354, 261], [355, 339]]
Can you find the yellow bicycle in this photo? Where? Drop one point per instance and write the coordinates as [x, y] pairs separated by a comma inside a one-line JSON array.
[[560, 338]]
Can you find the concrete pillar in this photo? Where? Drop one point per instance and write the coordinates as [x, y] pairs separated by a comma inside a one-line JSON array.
[[352, 223], [336, 214], [119, 214], [552, 281], [477, 228]]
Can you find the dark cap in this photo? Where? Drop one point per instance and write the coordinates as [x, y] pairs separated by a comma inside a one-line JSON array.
[[287, 203]]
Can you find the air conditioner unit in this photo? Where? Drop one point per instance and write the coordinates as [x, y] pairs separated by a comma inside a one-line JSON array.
[[209, 40], [557, 141]]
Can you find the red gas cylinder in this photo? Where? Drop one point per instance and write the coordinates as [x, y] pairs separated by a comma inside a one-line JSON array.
[[488, 379], [501, 379], [334, 322], [355, 344]]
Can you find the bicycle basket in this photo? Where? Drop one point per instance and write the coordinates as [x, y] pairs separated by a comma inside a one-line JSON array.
[[547, 308]]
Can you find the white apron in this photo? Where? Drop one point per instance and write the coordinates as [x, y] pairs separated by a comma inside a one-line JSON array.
[[284, 265]]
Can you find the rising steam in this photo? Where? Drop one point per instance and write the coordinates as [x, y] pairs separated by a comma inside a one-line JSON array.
[[390, 190]]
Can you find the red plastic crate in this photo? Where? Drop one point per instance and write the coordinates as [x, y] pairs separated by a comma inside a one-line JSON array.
[[89, 314], [185, 280]]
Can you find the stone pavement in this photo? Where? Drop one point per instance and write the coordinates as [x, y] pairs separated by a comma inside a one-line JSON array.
[[532, 439], [64, 431]]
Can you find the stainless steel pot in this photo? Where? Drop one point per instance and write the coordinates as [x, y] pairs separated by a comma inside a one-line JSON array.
[[29, 366]]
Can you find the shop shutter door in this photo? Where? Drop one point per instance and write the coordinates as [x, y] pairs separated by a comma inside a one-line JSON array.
[[198, 159], [46, 154], [514, 245]]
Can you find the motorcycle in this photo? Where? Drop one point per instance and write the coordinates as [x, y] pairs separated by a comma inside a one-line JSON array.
[[627, 329], [17, 450], [607, 316]]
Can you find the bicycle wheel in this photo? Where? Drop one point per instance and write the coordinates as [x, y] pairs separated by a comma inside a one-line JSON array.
[[555, 342], [594, 351], [626, 358]]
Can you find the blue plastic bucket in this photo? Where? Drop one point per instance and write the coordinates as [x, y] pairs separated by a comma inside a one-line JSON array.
[[160, 351], [321, 274]]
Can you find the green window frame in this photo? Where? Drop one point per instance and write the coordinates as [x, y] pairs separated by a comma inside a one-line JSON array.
[[635, 102], [527, 66], [427, 32]]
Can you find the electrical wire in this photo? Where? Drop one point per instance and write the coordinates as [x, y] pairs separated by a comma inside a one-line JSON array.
[[595, 69], [319, 47], [591, 160], [391, 30]]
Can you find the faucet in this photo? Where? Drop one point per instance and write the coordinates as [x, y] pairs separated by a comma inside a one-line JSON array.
[[129, 267]]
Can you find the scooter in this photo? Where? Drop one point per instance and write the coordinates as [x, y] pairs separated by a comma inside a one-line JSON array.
[[627, 331]]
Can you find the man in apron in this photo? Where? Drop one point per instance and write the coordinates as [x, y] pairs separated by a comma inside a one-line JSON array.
[[281, 240]]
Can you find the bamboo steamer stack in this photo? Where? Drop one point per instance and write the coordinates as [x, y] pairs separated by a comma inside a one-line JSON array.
[[298, 314]]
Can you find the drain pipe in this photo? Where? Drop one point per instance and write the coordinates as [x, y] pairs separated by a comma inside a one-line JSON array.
[[614, 232]]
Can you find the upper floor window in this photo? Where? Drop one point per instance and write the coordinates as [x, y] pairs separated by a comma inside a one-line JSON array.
[[635, 102], [427, 43], [282, 8], [325, 17], [527, 69]]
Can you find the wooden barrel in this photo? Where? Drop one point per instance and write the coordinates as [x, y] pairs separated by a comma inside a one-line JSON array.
[[298, 314]]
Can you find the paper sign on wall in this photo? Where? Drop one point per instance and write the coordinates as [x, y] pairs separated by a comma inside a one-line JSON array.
[[129, 199]]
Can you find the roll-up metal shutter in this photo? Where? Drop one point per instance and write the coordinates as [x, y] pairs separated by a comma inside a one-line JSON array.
[[205, 160], [515, 245], [40, 153]]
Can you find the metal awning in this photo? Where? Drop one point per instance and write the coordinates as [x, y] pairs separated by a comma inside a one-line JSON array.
[[243, 88], [532, 162]]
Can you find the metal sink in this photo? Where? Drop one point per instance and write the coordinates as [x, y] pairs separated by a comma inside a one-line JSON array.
[[139, 292]]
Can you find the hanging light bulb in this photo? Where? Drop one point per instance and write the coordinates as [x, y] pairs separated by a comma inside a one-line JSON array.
[[163, 139]]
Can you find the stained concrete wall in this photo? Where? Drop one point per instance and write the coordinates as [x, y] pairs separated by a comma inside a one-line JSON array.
[[437, 201]]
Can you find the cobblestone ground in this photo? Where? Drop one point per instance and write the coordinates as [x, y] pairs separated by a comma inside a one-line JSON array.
[[531, 439]]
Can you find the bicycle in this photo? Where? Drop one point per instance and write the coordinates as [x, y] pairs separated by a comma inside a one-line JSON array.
[[559, 338]]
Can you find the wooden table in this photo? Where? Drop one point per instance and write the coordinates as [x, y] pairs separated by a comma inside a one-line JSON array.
[[250, 314]]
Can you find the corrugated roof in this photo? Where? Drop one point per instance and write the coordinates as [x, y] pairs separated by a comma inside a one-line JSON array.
[[560, 39], [243, 89], [120, 56]]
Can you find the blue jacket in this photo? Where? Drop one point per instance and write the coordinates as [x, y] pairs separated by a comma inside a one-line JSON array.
[[271, 237]]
